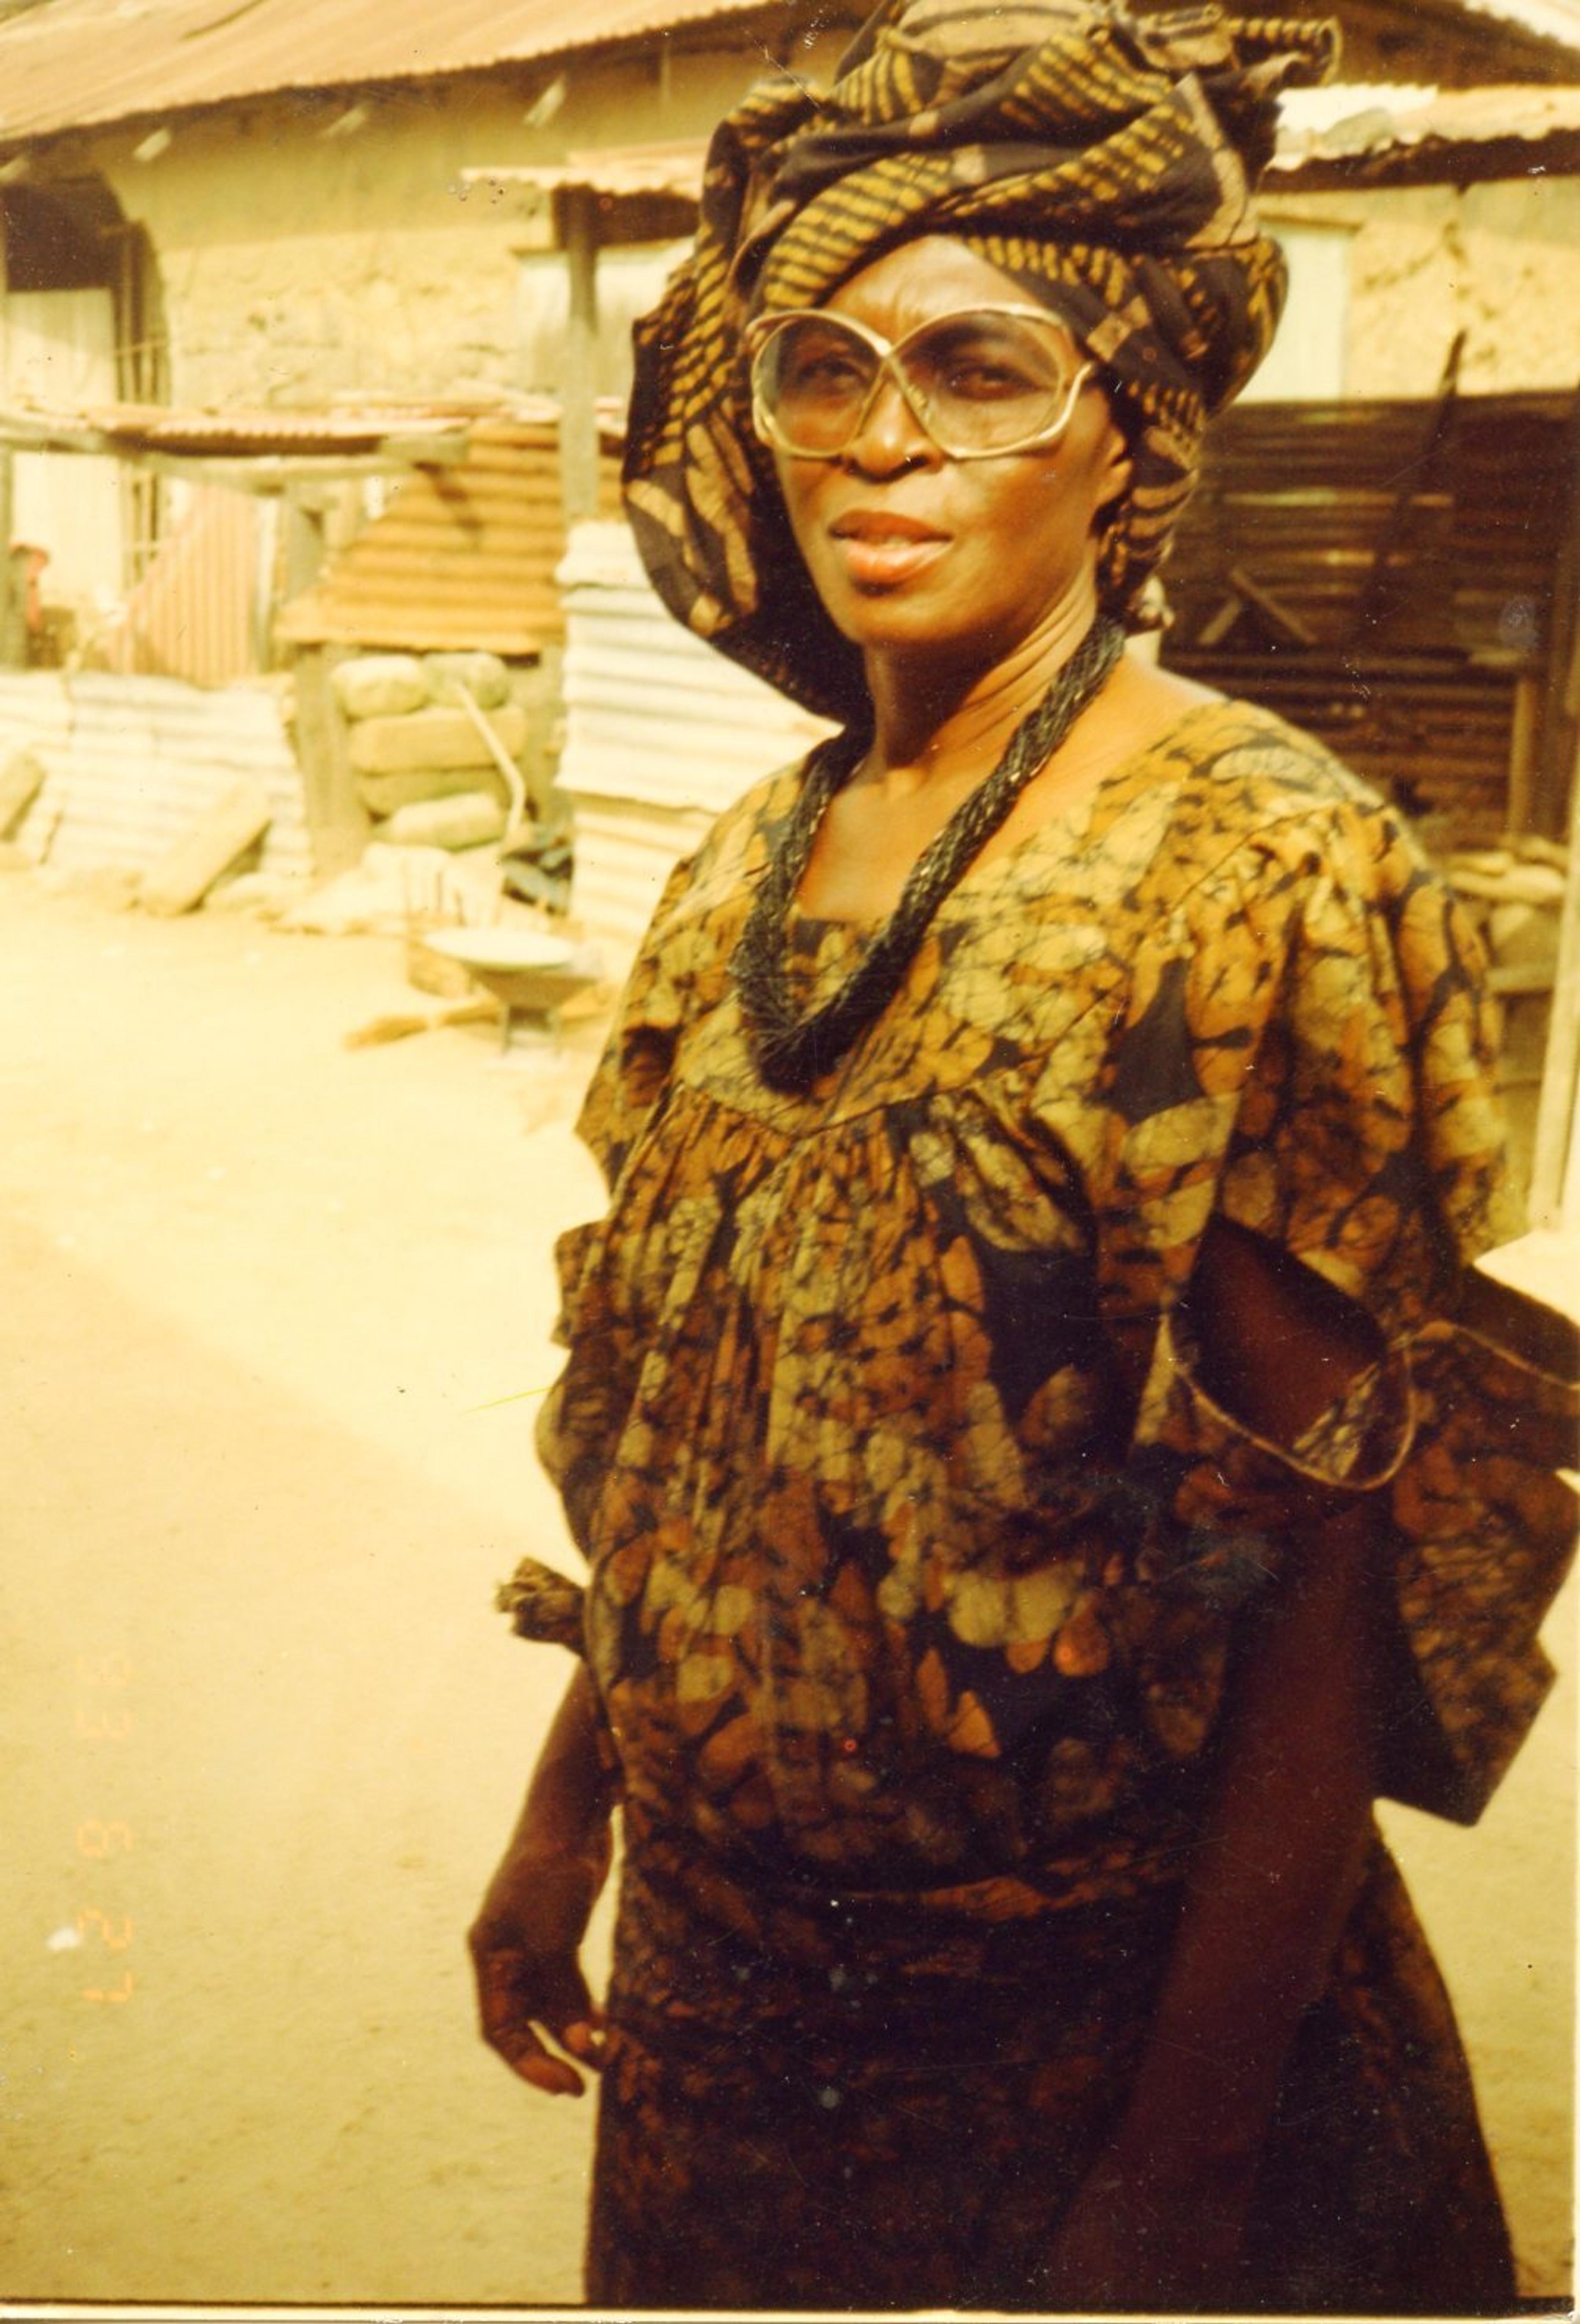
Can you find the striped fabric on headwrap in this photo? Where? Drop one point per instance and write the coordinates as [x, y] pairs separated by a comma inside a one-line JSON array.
[[1104, 162]]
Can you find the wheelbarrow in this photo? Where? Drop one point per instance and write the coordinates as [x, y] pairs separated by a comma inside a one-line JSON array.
[[531, 975]]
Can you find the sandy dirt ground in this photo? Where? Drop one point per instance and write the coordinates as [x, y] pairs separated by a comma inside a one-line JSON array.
[[274, 1322]]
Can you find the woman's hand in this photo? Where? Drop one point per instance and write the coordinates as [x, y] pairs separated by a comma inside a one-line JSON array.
[[525, 1940], [1159, 2241], [1158, 2223], [523, 1943]]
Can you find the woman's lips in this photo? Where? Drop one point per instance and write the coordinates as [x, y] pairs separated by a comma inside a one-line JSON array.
[[878, 552]]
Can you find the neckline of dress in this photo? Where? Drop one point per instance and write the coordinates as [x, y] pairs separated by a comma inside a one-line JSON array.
[[1077, 818]]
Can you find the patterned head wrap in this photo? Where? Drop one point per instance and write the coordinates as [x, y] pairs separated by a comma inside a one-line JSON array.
[[1104, 162]]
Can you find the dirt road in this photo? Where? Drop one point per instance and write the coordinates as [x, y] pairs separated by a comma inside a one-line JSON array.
[[274, 1319]]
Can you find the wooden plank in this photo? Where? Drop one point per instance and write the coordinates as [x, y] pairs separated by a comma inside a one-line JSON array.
[[21, 781], [236, 821], [13, 603]]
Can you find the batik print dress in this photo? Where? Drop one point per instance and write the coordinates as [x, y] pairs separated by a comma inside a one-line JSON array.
[[917, 1553]]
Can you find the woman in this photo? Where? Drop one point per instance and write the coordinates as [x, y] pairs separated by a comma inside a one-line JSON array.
[[1023, 1404]]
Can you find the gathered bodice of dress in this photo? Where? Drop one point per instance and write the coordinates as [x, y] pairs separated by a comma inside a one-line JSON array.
[[877, 1429]]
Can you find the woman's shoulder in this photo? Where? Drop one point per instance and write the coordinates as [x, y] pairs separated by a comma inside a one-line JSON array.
[[738, 836], [1253, 791], [1262, 764]]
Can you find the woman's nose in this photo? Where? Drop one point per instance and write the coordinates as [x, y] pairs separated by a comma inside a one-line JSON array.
[[889, 435]]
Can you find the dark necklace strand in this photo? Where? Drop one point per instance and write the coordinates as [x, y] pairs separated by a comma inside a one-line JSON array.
[[791, 1051]]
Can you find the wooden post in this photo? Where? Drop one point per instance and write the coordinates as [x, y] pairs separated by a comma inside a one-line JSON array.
[[1554, 1196], [1560, 710], [338, 822], [302, 517], [1523, 736], [578, 431], [12, 594], [12, 600]]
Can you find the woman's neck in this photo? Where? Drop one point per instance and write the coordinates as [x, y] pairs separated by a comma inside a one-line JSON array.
[[932, 724]]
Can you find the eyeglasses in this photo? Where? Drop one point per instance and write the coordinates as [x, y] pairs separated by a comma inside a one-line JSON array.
[[986, 380]]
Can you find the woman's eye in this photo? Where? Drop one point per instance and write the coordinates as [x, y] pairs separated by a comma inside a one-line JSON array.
[[980, 381], [822, 368], [977, 365], [825, 375]]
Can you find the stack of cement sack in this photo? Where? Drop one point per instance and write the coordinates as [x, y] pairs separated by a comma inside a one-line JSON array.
[[1514, 891], [444, 747]]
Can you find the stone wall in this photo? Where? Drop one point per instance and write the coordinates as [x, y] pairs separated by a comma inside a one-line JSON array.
[[300, 261], [302, 257], [1501, 261]]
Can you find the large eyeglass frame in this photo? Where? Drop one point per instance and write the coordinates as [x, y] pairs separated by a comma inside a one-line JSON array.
[[762, 331]]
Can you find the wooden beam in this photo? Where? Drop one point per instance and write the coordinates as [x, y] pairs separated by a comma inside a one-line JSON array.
[[1558, 757], [578, 211]]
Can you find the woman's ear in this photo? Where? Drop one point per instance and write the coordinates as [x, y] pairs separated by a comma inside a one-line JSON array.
[[1118, 466]]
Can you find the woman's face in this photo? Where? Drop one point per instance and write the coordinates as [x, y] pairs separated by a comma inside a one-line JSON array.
[[910, 549]]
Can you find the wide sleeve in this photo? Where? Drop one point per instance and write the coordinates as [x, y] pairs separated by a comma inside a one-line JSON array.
[[627, 1089], [1334, 1038], [629, 1079]]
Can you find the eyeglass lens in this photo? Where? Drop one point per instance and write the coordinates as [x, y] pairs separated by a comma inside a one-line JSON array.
[[977, 380]]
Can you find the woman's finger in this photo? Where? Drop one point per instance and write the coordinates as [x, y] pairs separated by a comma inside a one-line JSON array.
[[512, 2007], [584, 2040], [527, 2056]]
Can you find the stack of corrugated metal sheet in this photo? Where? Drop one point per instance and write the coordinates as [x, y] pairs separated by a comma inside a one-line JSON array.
[[133, 762], [661, 734], [462, 556]]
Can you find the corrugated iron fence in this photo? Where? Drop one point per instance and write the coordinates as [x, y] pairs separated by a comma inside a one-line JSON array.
[[133, 762], [1391, 577]]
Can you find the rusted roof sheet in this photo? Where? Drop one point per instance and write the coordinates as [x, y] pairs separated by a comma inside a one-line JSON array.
[[1460, 135], [193, 613], [674, 168], [463, 555], [420, 435], [1386, 137], [77, 64]]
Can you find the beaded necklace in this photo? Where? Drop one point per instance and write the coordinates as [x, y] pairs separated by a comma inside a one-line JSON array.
[[792, 1051]]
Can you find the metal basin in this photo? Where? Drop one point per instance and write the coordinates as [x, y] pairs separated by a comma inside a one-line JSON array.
[[533, 974]]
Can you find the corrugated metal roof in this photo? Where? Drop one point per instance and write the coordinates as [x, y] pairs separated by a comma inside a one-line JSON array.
[[1327, 135], [464, 555], [74, 64], [1461, 134], [1547, 19]]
